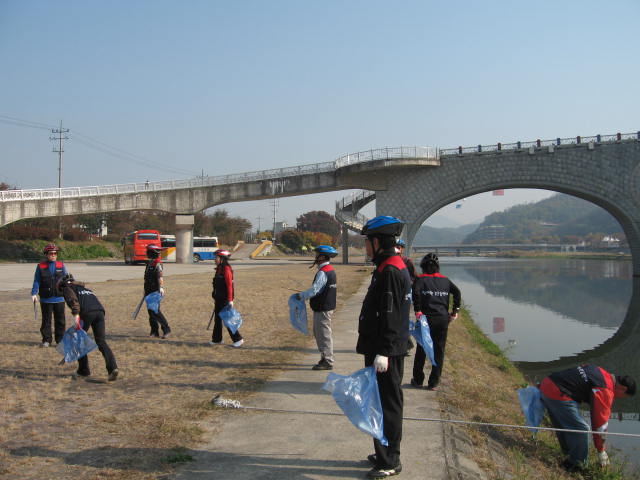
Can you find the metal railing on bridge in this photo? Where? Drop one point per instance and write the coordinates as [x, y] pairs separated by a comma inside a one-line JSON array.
[[618, 137], [207, 181]]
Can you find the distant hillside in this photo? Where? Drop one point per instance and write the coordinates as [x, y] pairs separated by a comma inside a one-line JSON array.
[[442, 236], [548, 220]]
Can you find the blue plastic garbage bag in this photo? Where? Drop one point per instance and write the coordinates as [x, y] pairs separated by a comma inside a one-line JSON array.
[[422, 333], [532, 406], [75, 344], [298, 314], [358, 397], [153, 301], [231, 318]]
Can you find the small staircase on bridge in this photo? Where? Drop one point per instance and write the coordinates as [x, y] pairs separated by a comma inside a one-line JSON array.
[[348, 210]]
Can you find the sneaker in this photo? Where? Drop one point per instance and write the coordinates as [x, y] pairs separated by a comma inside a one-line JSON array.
[[238, 344], [322, 365], [82, 374], [372, 459], [216, 343], [432, 389], [44, 344], [154, 335], [415, 384], [384, 472], [165, 335], [112, 375]]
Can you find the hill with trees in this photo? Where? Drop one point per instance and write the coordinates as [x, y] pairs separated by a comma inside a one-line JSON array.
[[557, 219]]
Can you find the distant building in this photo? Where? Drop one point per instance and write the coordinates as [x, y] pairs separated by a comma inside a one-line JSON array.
[[609, 241], [280, 227], [491, 232]]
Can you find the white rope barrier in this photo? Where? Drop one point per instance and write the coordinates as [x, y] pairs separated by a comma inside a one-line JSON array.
[[225, 403]]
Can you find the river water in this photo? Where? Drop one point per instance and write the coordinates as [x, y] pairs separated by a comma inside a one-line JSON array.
[[551, 314]]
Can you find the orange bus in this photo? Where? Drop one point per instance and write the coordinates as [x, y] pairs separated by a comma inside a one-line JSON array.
[[134, 245]]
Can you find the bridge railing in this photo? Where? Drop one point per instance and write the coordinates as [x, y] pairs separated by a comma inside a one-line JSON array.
[[206, 181], [386, 153], [541, 143]]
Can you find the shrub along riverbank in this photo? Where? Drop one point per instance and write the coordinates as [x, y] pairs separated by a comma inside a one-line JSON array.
[[31, 250], [480, 384]]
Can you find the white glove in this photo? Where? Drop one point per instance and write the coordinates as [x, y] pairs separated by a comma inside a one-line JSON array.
[[78, 323], [34, 298], [453, 316], [162, 291], [381, 363], [231, 303], [603, 458]]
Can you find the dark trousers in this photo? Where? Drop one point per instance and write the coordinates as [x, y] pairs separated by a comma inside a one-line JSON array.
[[439, 327], [55, 310], [95, 320], [217, 325], [156, 321], [389, 385]]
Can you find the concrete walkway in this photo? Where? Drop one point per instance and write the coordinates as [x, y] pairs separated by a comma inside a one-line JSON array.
[[269, 445]]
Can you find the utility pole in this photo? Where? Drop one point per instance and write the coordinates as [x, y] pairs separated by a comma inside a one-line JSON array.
[[60, 132], [275, 210], [61, 135]]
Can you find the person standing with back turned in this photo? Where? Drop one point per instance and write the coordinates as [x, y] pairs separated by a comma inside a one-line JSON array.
[[154, 282], [322, 299], [431, 292], [383, 332], [48, 273]]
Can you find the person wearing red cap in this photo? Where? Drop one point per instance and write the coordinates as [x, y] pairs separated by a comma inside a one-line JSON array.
[[154, 282], [223, 294], [47, 274]]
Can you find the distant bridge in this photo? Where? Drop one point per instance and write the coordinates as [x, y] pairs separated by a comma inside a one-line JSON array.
[[498, 247]]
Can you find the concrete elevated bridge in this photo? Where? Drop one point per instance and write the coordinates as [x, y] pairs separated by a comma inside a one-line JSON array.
[[411, 183]]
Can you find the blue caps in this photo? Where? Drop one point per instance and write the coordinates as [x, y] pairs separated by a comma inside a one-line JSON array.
[[383, 225], [327, 250]]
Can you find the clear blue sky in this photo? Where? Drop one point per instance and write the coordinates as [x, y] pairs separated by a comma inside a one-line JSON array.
[[227, 87]]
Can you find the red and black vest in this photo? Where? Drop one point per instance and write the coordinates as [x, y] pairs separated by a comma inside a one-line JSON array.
[[325, 300], [47, 287], [152, 276]]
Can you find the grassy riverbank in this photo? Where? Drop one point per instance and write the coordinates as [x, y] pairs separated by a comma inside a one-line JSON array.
[[480, 385]]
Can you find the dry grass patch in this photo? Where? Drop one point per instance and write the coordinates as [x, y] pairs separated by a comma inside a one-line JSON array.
[[54, 426]]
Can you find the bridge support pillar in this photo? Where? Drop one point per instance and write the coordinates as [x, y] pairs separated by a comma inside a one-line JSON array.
[[345, 245], [184, 238]]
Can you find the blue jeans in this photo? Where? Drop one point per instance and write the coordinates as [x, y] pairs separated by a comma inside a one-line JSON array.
[[565, 414]]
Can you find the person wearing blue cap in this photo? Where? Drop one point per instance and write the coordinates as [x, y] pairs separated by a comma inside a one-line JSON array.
[[383, 333], [322, 298]]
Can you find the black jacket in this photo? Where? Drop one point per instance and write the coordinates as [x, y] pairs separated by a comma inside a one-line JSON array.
[[431, 293], [383, 327], [80, 299]]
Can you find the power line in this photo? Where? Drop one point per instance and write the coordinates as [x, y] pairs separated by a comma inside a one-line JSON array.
[[100, 146]]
